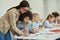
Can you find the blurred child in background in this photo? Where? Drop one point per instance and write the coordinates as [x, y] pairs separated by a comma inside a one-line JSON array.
[[36, 23], [24, 24], [57, 20], [49, 22]]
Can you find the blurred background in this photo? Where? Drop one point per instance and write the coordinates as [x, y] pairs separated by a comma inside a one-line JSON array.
[[43, 7]]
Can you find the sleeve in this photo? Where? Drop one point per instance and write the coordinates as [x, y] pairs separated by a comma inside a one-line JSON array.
[[12, 19], [48, 25], [29, 26], [20, 26]]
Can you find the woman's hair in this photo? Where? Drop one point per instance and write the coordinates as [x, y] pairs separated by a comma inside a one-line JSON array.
[[26, 14], [56, 14], [22, 4], [50, 15]]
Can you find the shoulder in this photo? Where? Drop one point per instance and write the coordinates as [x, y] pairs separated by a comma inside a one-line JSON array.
[[46, 21], [12, 10]]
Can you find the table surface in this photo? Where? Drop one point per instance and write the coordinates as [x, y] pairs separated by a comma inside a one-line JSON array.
[[44, 34]]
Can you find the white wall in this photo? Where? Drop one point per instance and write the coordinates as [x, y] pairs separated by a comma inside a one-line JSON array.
[[58, 5], [37, 7], [43, 7], [6, 4], [50, 6]]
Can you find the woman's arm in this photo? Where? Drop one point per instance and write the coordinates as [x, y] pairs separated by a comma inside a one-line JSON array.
[[12, 19]]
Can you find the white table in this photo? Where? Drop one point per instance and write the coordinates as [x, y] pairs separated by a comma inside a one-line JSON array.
[[42, 35]]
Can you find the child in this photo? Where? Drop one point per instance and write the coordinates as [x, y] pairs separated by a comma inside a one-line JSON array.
[[35, 23], [57, 20], [49, 22], [24, 24]]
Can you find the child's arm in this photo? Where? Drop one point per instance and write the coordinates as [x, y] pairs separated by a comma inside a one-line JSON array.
[[26, 29], [48, 25], [56, 25], [34, 31]]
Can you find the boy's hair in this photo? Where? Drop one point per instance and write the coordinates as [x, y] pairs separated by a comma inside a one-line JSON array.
[[26, 14], [50, 15], [56, 14], [34, 15]]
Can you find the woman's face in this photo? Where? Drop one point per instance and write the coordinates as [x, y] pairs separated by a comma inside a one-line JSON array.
[[23, 9], [26, 20]]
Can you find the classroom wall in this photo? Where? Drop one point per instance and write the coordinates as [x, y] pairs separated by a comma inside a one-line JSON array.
[[50, 6], [58, 5], [6, 4], [43, 7], [37, 7]]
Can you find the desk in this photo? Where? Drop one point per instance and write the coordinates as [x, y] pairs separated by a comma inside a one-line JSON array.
[[41, 35]]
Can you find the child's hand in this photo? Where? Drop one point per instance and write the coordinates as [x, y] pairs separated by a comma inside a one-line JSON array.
[[57, 25], [35, 31], [26, 34], [41, 27]]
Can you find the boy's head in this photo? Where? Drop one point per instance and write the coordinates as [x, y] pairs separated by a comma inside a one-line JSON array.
[[26, 16], [56, 14], [51, 18], [36, 17]]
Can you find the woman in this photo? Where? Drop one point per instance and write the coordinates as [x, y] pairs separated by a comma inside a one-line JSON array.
[[8, 21]]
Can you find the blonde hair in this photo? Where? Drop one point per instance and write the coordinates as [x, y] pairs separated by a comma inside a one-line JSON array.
[[34, 15]]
